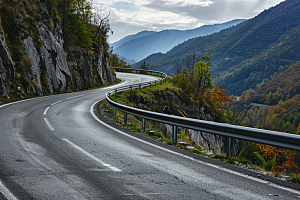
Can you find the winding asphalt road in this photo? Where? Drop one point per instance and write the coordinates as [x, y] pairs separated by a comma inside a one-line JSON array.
[[58, 147]]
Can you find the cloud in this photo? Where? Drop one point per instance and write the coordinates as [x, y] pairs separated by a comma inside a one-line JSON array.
[[122, 6], [131, 16]]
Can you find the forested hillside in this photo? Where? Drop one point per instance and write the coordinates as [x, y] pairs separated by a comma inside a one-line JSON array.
[[285, 85], [41, 53], [245, 55]]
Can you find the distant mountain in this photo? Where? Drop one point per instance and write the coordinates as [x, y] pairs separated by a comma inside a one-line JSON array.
[[115, 45], [139, 46], [244, 55]]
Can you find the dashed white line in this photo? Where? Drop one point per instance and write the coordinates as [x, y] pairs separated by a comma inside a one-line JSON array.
[[45, 112], [74, 97], [56, 102], [6, 192], [188, 157], [49, 125], [91, 156]]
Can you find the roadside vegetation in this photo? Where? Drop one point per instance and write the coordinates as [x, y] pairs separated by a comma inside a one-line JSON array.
[[199, 95]]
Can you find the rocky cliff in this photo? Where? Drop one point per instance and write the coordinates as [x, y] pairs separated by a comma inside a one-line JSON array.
[[34, 59]]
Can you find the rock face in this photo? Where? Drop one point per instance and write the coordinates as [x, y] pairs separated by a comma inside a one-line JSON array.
[[33, 58], [208, 141], [7, 71], [3, 91]]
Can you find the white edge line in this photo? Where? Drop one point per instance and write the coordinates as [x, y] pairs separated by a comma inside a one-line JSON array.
[[22, 101], [91, 156], [6, 192], [49, 125], [45, 112], [188, 157]]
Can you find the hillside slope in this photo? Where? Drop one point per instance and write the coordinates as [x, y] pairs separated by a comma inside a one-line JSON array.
[[283, 86], [137, 48], [247, 54], [33, 59]]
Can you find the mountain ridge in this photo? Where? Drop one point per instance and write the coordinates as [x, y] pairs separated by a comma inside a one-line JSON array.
[[162, 41], [244, 55]]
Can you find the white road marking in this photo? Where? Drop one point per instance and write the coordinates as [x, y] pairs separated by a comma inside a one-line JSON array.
[[6, 192], [48, 123], [188, 157], [105, 88], [74, 97], [21, 101], [91, 156], [56, 102], [45, 112]]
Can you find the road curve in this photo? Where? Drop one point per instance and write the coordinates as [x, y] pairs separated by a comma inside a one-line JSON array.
[[55, 147]]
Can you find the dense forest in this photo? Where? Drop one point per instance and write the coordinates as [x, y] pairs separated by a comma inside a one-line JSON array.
[[284, 85], [282, 92]]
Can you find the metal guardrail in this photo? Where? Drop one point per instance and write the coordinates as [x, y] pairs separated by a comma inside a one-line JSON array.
[[280, 139], [140, 85]]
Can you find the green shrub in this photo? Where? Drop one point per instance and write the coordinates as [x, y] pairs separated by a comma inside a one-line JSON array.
[[169, 142], [133, 127], [266, 165], [198, 152], [243, 160], [295, 178], [231, 160], [218, 156]]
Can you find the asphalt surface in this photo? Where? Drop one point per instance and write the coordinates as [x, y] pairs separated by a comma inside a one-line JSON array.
[[58, 147]]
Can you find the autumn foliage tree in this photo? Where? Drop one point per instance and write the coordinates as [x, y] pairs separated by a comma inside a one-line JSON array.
[[285, 158], [183, 82], [199, 87]]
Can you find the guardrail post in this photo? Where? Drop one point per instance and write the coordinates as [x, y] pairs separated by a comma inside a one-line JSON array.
[[160, 82], [139, 86], [175, 131], [143, 125], [115, 112], [229, 146], [131, 88], [150, 85], [116, 90], [125, 118], [155, 83]]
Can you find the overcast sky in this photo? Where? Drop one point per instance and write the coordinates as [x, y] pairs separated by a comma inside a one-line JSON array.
[[132, 16]]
